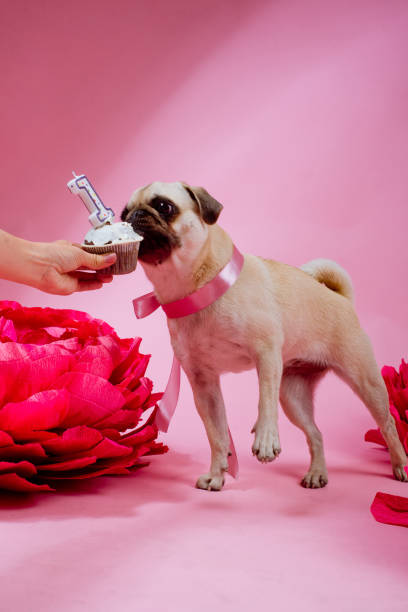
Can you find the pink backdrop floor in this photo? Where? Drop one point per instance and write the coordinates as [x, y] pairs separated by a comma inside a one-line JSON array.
[[294, 115], [151, 541]]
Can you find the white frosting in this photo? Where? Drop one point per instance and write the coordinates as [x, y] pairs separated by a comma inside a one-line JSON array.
[[112, 232]]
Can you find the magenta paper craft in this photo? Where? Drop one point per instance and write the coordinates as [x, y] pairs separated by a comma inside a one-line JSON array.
[[72, 395], [390, 509], [200, 299], [397, 387]]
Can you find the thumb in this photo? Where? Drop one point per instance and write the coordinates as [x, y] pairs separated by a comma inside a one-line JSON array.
[[93, 261]]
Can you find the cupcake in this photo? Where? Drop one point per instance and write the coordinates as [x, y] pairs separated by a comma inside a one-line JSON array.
[[119, 238]]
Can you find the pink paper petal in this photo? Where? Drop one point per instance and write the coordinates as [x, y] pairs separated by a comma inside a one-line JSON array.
[[34, 436], [400, 400], [71, 464], [112, 434], [7, 329], [120, 420], [5, 439], [129, 460], [120, 371], [55, 332], [27, 369], [44, 410], [157, 448], [22, 468], [118, 465], [73, 440], [391, 376], [106, 449], [113, 345], [138, 367], [402, 428], [135, 373], [390, 509], [137, 398], [107, 467], [404, 373], [152, 400], [11, 305], [36, 336], [374, 435], [89, 472], [12, 482], [395, 413], [91, 398], [145, 435], [31, 452], [405, 443], [112, 467], [69, 344], [149, 421], [94, 360]]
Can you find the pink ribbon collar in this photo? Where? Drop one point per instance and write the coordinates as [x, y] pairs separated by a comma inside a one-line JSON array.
[[200, 299]]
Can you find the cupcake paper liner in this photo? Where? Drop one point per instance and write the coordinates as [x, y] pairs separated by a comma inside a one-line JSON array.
[[126, 255]]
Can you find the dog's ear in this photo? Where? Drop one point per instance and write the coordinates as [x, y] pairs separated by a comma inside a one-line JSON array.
[[208, 206]]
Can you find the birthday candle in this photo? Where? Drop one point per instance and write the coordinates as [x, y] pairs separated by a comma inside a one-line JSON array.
[[99, 214]]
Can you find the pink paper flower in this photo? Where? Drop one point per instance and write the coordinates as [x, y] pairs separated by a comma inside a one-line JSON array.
[[397, 385], [72, 394]]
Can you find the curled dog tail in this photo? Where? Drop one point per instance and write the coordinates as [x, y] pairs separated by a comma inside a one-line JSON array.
[[330, 274]]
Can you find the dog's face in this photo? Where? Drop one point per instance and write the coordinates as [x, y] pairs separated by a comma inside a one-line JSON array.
[[170, 216]]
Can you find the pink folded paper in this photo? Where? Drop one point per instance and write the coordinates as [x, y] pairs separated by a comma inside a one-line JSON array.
[[397, 387], [72, 395], [390, 509], [200, 299]]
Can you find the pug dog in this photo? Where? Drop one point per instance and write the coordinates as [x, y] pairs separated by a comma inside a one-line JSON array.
[[292, 324]]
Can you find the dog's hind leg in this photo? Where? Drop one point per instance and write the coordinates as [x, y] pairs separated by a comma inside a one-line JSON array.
[[296, 397], [357, 367]]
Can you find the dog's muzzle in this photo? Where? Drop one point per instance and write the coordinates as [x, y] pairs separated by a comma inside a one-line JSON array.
[[138, 219]]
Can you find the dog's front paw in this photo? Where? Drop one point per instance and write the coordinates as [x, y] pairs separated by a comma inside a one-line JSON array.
[[210, 483], [266, 446], [315, 479]]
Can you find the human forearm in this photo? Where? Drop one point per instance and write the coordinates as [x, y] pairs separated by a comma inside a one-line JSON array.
[[18, 260]]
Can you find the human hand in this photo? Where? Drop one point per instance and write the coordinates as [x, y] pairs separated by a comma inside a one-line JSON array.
[[67, 268], [55, 267]]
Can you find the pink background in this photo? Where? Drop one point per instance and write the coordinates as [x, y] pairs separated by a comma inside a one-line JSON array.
[[294, 115]]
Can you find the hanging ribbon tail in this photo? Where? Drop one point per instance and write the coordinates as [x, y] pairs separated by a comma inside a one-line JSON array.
[[145, 305], [233, 469], [167, 404]]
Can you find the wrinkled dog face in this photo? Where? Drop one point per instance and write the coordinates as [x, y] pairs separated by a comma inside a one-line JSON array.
[[169, 216]]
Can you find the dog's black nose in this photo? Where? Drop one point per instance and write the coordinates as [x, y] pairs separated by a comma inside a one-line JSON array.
[[137, 220], [136, 215], [124, 214]]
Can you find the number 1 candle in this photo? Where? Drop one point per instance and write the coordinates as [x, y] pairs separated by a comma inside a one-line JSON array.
[[99, 213]]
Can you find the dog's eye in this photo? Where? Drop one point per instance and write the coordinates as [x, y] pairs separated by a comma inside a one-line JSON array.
[[163, 207]]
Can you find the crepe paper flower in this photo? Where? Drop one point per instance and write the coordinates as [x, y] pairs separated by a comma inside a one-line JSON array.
[[72, 397], [390, 509], [397, 386]]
